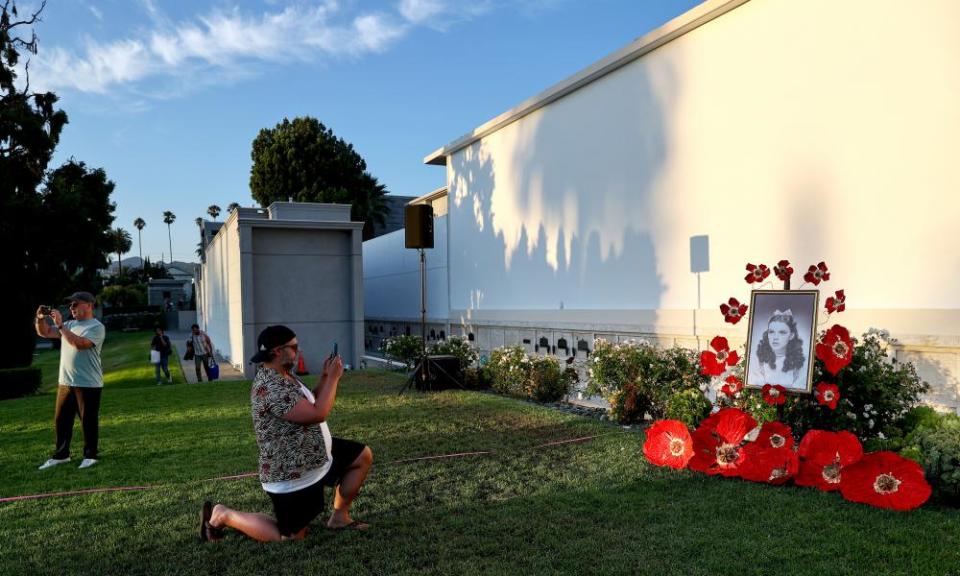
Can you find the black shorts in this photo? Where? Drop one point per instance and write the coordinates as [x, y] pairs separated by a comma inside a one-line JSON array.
[[294, 510]]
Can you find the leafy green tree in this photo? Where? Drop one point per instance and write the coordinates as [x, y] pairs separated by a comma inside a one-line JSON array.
[[214, 211], [122, 243], [303, 160], [168, 219], [139, 225], [232, 206], [30, 128]]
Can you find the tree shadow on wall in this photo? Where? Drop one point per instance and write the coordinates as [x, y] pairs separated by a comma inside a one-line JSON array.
[[563, 213]]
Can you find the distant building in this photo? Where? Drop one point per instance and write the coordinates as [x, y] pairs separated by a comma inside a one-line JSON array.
[[293, 263], [394, 218]]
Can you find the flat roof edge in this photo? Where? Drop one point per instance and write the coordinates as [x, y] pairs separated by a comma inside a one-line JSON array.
[[682, 24]]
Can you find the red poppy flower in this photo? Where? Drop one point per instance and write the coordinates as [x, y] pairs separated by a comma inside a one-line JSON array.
[[733, 310], [756, 273], [775, 435], [770, 465], [714, 363], [885, 480], [668, 444], [817, 274], [783, 270], [717, 443], [835, 349], [824, 456], [774, 394], [732, 386], [827, 394], [837, 303]]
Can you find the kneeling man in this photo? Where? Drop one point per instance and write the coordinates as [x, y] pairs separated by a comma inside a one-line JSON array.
[[298, 456]]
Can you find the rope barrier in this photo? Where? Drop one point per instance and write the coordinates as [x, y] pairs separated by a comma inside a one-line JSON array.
[[253, 474]]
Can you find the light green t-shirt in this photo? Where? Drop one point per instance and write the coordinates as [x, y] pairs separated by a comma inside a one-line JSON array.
[[81, 368]]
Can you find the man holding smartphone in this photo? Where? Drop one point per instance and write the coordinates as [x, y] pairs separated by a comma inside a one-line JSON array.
[[81, 375], [298, 455]]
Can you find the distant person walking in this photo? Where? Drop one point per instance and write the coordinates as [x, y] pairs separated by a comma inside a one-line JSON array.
[[81, 375], [161, 343], [202, 348]]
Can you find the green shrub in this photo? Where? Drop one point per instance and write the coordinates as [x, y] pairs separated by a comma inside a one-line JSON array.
[[457, 347], [689, 406], [876, 395], [479, 378], [936, 446], [535, 377], [403, 348], [19, 382], [639, 379], [135, 321]]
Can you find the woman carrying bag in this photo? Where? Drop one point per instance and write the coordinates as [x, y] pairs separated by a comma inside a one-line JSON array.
[[160, 349]]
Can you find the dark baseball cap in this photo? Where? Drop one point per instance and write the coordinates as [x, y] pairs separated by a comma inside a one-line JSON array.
[[81, 297], [271, 337]]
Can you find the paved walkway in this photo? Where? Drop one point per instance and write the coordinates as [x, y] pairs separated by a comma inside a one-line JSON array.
[[179, 339]]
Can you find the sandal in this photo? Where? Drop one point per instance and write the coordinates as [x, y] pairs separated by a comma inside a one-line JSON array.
[[355, 525], [208, 532]]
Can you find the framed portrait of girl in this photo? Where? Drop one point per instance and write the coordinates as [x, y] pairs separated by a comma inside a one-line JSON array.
[[780, 339]]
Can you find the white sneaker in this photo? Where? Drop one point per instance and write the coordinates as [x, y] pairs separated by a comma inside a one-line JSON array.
[[87, 462], [53, 462]]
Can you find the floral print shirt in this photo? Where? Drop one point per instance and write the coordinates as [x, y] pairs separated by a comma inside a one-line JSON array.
[[287, 450]]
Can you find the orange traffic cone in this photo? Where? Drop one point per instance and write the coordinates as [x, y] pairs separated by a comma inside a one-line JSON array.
[[301, 367]]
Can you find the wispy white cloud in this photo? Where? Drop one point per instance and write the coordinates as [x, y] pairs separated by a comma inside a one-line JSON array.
[[95, 11], [171, 56], [219, 42]]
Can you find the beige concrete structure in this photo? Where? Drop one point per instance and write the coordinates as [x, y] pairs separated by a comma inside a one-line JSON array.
[[813, 130], [297, 264]]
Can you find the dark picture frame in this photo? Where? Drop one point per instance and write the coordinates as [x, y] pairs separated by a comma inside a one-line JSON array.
[[781, 337]]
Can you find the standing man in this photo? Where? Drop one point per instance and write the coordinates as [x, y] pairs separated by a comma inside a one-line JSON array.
[[81, 375], [202, 349]]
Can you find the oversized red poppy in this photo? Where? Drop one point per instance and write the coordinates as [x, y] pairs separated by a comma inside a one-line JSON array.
[[817, 274], [718, 442], [668, 444], [732, 386], [824, 457], [733, 310], [885, 480], [770, 465], [756, 273], [837, 302], [775, 435], [783, 270], [714, 363], [827, 394], [835, 349], [774, 394]]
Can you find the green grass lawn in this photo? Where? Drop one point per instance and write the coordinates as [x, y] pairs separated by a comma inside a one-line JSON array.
[[126, 362], [594, 507]]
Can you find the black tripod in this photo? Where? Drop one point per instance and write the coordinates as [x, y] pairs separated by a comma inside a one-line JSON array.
[[428, 371]]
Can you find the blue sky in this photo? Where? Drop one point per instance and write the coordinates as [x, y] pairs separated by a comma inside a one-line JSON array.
[[167, 96]]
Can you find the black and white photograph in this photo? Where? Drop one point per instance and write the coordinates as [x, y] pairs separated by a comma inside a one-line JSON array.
[[780, 339]]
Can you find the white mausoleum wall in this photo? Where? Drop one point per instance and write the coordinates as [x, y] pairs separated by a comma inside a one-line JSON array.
[[391, 276], [811, 131]]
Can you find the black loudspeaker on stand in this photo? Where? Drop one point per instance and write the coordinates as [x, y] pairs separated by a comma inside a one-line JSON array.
[[432, 372]]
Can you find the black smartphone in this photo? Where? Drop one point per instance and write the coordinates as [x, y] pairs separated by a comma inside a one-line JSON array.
[[335, 352]]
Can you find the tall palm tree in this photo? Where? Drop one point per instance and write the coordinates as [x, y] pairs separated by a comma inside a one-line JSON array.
[[139, 223], [213, 210], [168, 218], [120, 239], [233, 206]]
